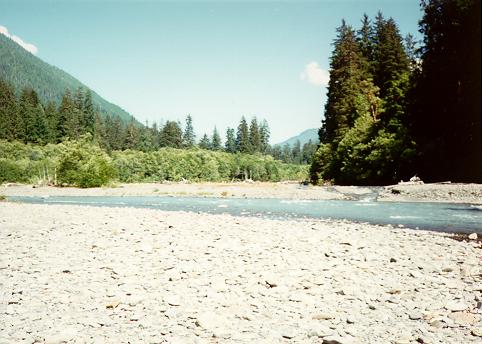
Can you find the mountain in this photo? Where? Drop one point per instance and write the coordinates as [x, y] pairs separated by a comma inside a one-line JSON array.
[[22, 69], [304, 137]]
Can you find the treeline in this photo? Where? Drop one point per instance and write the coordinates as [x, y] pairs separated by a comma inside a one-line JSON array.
[[378, 128], [295, 154], [27, 120], [83, 163]]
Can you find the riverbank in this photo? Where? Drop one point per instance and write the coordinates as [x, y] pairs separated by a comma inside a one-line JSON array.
[[453, 193], [88, 274]]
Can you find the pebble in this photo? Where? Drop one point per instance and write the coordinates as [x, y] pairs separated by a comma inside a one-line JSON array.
[[415, 315], [473, 236], [477, 331], [322, 316], [220, 278], [455, 306]]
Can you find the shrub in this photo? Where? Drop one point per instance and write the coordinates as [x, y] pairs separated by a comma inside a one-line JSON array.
[[85, 165]]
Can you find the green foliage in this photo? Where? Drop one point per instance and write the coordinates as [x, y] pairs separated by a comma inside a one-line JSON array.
[[84, 164], [201, 165], [363, 137], [230, 144], [242, 137], [171, 135], [205, 143], [216, 140], [321, 166], [22, 70], [188, 137]]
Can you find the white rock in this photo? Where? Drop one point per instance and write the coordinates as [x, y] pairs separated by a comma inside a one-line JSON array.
[[455, 306]]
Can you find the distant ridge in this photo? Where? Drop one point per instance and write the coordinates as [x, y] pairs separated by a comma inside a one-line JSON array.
[[304, 137], [22, 69]]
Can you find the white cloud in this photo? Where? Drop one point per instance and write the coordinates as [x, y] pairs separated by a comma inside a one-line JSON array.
[[27, 46], [315, 75]]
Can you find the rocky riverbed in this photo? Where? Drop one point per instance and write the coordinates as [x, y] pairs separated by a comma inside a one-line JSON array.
[[115, 275], [411, 192]]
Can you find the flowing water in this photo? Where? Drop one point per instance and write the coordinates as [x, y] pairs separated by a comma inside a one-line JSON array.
[[446, 217]]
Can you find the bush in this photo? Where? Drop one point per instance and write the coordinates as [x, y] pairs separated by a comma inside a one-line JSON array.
[[85, 165], [11, 171]]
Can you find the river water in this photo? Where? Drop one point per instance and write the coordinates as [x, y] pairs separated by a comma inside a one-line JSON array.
[[446, 217]]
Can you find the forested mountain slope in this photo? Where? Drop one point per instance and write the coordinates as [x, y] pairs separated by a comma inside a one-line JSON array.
[[22, 69]]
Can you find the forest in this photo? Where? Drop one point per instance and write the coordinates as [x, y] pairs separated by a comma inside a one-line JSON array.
[[73, 143], [396, 109]]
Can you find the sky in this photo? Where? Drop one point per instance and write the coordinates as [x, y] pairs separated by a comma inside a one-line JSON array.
[[217, 61]]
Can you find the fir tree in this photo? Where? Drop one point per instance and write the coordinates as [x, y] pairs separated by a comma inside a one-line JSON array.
[[132, 136], [65, 116], [366, 40], [216, 140], [242, 137], [264, 134], [28, 115], [89, 113], [51, 116], [205, 143], [8, 111], [296, 152], [189, 138], [171, 135], [286, 155], [230, 144], [446, 105], [254, 137]]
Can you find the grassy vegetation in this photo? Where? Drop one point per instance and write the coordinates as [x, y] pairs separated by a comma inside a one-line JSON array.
[[83, 163]]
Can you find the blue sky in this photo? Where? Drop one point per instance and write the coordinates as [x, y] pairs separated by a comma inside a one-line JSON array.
[[217, 61]]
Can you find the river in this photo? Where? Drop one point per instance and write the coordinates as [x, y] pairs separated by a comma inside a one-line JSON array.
[[444, 217]]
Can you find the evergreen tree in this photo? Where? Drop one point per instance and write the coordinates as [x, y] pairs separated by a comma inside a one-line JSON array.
[[8, 111], [390, 59], [205, 143], [412, 53], [346, 75], [89, 113], [28, 107], [132, 136], [51, 116], [349, 90], [254, 136], [445, 110], [171, 135], [100, 133], [276, 152], [216, 140], [242, 137], [230, 144], [363, 139], [146, 142], [308, 151], [286, 155], [366, 40], [264, 134], [66, 113], [296, 152], [40, 130], [114, 133], [154, 134], [189, 138]]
